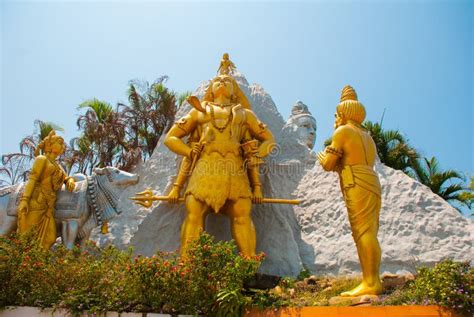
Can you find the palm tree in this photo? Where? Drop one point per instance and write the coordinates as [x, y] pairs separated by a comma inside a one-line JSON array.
[[445, 184], [103, 132], [150, 113], [79, 156], [14, 169], [392, 147]]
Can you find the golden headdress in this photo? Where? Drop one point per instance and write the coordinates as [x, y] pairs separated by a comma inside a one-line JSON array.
[[46, 143], [349, 107]]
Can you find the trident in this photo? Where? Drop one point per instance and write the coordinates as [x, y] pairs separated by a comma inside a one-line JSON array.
[[146, 199]]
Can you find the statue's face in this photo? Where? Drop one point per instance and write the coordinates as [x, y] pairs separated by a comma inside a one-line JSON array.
[[306, 129], [339, 120], [222, 86], [57, 147]]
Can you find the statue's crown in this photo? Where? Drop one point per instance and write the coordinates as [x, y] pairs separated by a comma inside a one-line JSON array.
[[348, 93]]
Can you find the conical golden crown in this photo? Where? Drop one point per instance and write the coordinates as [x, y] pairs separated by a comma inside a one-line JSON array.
[[348, 93]]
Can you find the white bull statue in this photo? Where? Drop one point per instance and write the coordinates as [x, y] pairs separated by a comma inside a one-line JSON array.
[[93, 201]]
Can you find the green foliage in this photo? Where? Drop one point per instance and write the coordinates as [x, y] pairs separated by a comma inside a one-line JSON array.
[[92, 279], [231, 303], [392, 147], [448, 284], [209, 281], [150, 113], [305, 273], [447, 184]]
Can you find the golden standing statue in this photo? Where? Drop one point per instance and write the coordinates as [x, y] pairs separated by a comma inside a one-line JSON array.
[[36, 207], [352, 154], [223, 134]]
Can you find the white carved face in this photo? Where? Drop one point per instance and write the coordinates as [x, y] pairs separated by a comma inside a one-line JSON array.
[[306, 130]]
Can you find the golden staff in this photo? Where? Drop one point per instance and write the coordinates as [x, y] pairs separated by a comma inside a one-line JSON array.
[[146, 199]]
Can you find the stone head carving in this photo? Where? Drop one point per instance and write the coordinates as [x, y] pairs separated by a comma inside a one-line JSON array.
[[303, 124]]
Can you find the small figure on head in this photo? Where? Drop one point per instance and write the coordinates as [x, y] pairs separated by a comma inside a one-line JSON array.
[[226, 66]]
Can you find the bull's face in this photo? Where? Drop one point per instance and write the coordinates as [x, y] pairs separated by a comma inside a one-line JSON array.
[[117, 177]]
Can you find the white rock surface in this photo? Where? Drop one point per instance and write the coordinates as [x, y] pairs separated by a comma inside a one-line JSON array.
[[417, 227]]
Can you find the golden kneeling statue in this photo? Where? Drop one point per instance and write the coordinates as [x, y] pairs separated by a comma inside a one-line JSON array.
[[352, 154], [36, 207]]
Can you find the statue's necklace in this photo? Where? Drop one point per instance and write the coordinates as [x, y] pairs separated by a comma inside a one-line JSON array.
[[214, 124], [224, 105], [56, 179]]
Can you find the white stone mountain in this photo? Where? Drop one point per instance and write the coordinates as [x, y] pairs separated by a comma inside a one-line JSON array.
[[416, 226]]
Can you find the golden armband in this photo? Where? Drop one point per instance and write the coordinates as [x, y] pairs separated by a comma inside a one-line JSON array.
[[183, 125], [332, 150], [249, 149]]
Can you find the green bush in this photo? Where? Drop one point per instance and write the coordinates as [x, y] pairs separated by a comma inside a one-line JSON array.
[[107, 279], [448, 284]]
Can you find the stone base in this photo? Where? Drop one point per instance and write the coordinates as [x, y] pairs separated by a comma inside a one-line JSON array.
[[352, 301]]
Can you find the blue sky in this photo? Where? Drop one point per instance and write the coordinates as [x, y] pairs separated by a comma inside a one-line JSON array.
[[412, 58]]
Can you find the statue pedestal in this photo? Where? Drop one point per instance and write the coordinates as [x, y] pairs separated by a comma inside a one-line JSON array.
[[372, 311], [352, 301]]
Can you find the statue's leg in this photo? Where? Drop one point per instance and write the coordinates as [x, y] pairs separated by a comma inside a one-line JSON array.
[[193, 224], [243, 229], [70, 229], [369, 252]]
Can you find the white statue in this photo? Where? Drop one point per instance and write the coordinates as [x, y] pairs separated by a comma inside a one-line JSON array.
[[302, 123]]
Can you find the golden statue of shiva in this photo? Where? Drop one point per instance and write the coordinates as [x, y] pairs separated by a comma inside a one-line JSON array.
[[225, 145], [36, 207], [223, 133], [352, 155]]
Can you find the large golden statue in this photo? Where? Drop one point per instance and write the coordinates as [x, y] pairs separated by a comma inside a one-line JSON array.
[[352, 154], [221, 155], [36, 207]]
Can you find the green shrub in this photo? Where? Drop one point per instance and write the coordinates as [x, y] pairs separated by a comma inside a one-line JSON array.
[[100, 280], [448, 284], [170, 285]]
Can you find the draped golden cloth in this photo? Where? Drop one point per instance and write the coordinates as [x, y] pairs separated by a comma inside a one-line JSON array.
[[362, 194], [45, 179]]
